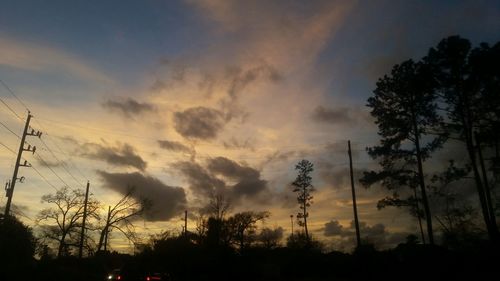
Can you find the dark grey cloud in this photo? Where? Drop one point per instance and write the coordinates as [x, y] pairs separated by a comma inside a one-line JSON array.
[[174, 146], [199, 122], [375, 234], [48, 163], [240, 79], [281, 156], [234, 143], [337, 175], [341, 148], [200, 181], [166, 201], [249, 184], [222, 175], [120, 155], [341, 115], [129, 107], [231, 169], [333, 228]]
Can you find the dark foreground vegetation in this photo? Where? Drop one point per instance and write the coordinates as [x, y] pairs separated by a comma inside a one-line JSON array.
[[184, 259]]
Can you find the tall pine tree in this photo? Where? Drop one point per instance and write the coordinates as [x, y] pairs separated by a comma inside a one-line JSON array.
[[404, 108], [303, 188]]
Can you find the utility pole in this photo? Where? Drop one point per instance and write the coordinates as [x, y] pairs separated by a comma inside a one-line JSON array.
[[185, 223], [358, 237], [107, 229], [291, 220], [82, 234], [10, 189]]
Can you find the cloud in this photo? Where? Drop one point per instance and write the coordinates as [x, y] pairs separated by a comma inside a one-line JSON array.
[[48, 163], [337, 176], [200, 181], [282, 156], [121, 155], [376, 234], [222, 175], [231, 169], [167, 201], [199, 122], [240, 79], [234, 143], [174, 146], [248, 181], [173, 74], [40, 58], [129, 107], [341, 115], [333, 228]]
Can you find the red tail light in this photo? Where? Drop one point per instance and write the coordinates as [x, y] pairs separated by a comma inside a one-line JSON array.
[[148, 278], [118, 277]]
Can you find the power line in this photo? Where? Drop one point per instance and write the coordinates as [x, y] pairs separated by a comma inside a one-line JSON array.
[[10, 109], [5, 126], [14, 95], [50, 168], [49, 137], [121, 133], [10, 149], [60, 162], [44, 178]]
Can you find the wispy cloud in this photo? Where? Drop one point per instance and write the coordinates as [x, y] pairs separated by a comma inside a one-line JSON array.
[[129, 107], [29, 56], [120, 155]]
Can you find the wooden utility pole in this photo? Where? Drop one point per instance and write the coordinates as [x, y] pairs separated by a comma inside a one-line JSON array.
[[291, 221], [185, 223], [10, 190], [107, 229], [82, 234], [356, 222]]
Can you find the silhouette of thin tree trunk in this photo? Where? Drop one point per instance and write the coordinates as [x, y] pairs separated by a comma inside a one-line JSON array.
[[425, 202], [417, 207]]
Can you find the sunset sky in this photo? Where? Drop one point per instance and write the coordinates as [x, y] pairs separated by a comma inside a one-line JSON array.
[[183, 97]]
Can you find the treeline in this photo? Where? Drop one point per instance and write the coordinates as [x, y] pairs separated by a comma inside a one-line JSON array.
[[187, 257], [448, 102]]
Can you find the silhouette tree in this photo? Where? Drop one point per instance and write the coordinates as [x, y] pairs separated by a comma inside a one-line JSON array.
[[404, 108], [64, 219], [120, 217], [241, 226], [17, 247], [303, 188], [456, 217], [468, 85], [270, 238], [218, 206]]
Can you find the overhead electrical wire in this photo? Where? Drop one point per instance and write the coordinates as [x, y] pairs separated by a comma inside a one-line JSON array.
[[61, 163], [10, 130], [50, 168], [8, 148], [14, 95]]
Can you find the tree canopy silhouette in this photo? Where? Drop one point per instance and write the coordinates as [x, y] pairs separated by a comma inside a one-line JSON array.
[[404, 108], [468, 87], [303, 188]]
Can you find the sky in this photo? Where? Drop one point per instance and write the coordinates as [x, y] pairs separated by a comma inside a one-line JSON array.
[[182, 98]]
